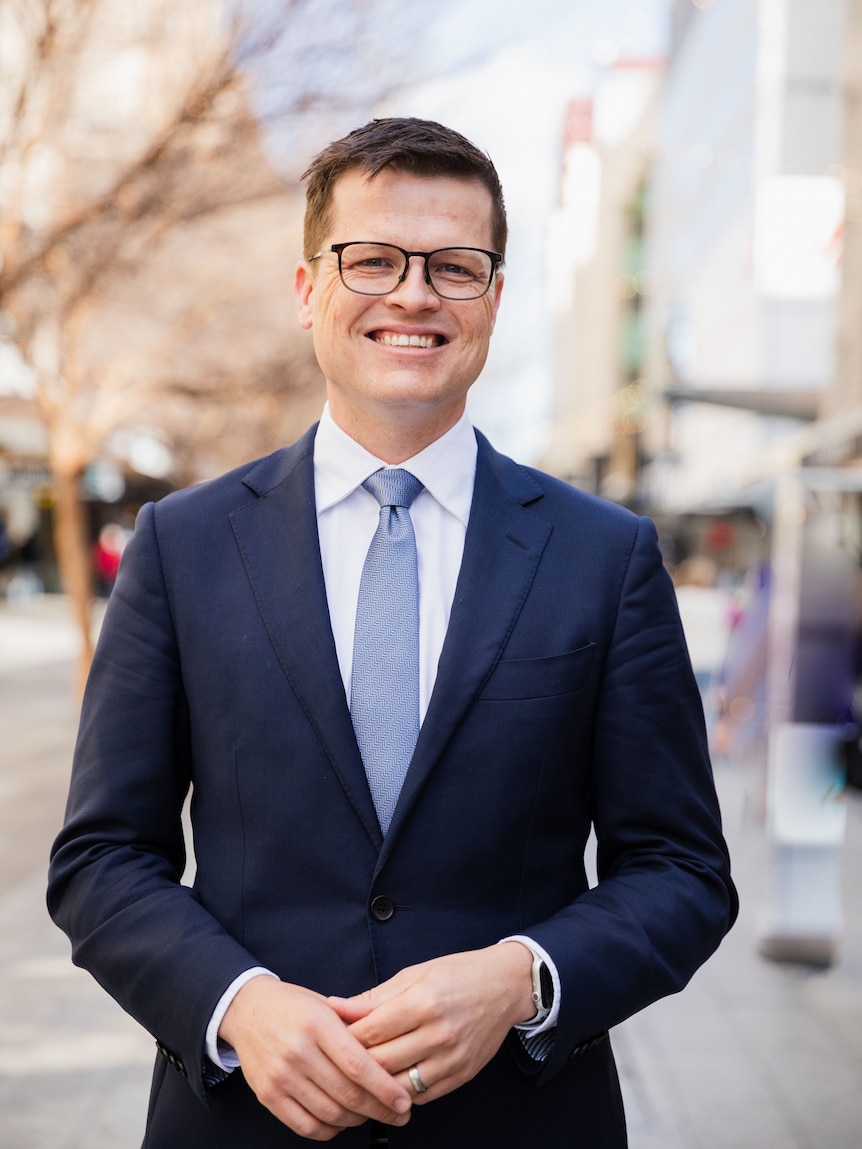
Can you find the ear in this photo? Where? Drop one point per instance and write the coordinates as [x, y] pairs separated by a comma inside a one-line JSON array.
[[498, 291], [303, 287]]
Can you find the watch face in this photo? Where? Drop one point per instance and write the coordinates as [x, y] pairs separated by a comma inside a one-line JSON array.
[[547, 983]]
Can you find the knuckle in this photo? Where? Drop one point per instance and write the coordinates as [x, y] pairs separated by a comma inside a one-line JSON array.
[[447, 1033], [354, 1063], [353, 1096], [331, 1113], [296, 1050], [427, 1006], [314, 1130], [268, 1094], [373, 1029]]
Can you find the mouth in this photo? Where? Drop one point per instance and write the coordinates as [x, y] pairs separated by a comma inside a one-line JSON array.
[[401, 339]]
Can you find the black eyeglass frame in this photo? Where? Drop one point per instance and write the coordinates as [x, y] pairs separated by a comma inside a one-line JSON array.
[[338, 248]]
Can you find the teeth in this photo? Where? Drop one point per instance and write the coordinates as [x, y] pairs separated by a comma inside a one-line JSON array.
[[391, 340]]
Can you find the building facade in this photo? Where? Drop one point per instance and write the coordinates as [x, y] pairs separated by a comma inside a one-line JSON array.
[[742, 393]]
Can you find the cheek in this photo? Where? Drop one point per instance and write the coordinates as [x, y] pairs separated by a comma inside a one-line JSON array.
[[481, 332]]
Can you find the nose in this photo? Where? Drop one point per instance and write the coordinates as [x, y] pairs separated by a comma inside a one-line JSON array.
[[414, 293]]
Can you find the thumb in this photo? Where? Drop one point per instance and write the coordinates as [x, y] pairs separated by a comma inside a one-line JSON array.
[[351, 1009]]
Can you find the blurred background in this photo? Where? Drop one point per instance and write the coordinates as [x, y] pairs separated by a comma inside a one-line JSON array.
[[681, 332]]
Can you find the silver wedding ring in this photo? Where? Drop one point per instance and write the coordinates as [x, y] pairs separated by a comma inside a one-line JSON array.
[[416, 1081]]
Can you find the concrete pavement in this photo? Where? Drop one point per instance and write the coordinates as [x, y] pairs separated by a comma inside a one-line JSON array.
[[751, 1055], [73, 1067]]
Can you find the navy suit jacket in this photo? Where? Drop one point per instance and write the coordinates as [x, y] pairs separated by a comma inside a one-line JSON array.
[[564, 699]]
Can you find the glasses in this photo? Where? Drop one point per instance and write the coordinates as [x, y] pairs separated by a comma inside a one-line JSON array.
[[379, 268]]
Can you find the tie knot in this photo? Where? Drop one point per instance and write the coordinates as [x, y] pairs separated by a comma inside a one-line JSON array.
[[393, 488]]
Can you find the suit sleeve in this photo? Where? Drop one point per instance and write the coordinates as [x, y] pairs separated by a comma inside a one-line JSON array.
[[115, 874], [664, 898]]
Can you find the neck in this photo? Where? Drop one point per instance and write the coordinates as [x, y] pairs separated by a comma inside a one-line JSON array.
[[394, 437]]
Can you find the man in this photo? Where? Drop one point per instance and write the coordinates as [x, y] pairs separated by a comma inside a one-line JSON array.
[[396, 946]]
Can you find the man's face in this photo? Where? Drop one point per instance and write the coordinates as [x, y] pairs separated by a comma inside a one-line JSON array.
[[368, 374]]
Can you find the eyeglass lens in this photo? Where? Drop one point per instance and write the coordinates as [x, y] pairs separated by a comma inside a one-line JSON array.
[[376, 269]]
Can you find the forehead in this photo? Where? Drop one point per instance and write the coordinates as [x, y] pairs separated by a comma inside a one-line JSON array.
[[411, 210]]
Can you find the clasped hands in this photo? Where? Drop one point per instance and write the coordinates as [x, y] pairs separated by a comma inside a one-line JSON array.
[[322, 1064]]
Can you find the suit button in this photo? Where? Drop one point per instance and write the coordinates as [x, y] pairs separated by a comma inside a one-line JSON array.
[[382, 908]]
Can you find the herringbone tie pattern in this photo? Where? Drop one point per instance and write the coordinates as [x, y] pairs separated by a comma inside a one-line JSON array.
[[384, 690]]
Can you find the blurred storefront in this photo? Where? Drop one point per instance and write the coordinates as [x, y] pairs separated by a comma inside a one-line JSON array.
[[710, 375], [599, 281], [111, 492], [137, 351]]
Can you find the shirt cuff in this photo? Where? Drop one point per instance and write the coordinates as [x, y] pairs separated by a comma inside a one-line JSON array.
[[533, 1029], [217, 1050]]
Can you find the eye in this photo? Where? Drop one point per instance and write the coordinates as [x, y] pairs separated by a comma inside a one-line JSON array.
[[454, 271], [460, 266], [370, 259], [369, 264]]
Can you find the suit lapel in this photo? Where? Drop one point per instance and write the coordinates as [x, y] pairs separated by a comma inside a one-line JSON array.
[[502, 549], [278, 540]]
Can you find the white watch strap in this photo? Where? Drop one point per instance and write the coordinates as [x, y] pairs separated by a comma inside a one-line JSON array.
[[542, 1010]]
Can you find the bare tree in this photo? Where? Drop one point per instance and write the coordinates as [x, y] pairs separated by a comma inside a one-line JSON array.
[[146, 245], [146, 238]]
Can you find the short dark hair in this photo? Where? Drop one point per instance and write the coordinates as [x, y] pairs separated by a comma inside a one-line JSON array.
[[404, 144]]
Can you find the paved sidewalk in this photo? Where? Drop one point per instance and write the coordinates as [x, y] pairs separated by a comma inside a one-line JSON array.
[[751, 1055], [73, 1068]]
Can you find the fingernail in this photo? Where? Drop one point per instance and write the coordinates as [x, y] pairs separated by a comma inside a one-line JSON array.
[[402, 1105]]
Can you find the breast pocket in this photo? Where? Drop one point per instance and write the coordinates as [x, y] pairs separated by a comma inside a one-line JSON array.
[[540, 677]]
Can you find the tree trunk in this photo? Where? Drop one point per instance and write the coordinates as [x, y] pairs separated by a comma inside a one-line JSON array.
[[72, 544]]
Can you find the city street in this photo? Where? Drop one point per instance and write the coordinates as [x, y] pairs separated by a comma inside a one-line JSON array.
[[751, 1056]]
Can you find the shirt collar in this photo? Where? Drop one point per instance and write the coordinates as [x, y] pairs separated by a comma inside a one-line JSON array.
[[446, 467]]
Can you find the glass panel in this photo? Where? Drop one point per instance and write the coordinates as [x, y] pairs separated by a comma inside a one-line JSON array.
[[460, 272], [374, 267]]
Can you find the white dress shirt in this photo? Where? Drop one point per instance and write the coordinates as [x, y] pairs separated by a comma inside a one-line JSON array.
[[347, 517]]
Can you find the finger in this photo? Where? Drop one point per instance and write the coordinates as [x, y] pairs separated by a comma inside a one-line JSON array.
[[413, 1008], [317, 1111], [308, 1054], [357, 1080], [437, 1082], [398, 1054], [301, 1121], [398, 1037], [351, 1009], [313, 1096]]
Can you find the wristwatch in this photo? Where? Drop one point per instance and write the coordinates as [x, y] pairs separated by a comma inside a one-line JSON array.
[[543, 989]]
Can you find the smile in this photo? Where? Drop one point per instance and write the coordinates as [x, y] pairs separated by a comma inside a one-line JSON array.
[[391, 339]]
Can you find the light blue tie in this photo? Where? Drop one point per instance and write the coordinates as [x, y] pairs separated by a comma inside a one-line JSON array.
[[384, 685]]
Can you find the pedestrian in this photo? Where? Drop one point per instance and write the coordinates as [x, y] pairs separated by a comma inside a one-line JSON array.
[[403, 677]]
